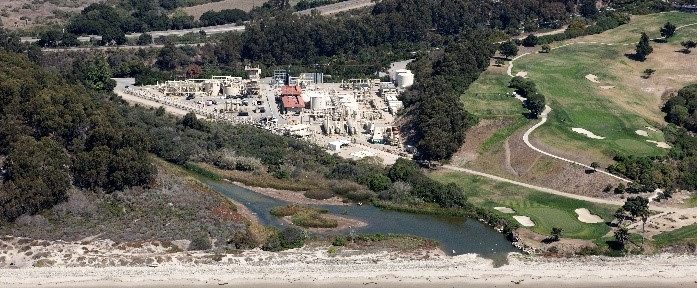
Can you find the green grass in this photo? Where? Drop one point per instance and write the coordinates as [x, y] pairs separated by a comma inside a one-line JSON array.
[[579, 103], [687, 234], [490, 97], [651, 24], [306, 217], [547, 211], [502, 134]]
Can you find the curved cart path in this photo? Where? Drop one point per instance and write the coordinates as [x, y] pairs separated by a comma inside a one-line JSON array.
[[526, 136]]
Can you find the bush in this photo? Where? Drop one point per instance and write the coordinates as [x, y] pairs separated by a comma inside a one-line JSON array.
[[319, 194], [360, 195], [313, 219], [293, 237], [340, 241], [200, 243]]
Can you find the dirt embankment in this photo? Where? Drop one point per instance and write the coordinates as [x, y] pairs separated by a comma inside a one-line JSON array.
[[535, 168], [292, 196], [475, 137]]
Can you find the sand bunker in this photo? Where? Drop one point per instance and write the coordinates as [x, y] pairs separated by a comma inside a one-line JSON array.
[[642, 133], [524, 220], [652, 129], [587, 133], [663, 145], [592, 78], [606, 87], [504, 210], [585, 216], [522, 74]]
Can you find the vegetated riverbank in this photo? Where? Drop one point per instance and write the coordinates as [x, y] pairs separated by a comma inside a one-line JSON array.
[[318, 266], [486, 216]]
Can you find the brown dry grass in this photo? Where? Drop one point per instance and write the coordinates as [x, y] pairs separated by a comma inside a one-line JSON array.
[[39, 12], [245, 5]]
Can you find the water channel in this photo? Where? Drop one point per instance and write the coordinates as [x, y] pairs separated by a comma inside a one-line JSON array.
[[456, 235]]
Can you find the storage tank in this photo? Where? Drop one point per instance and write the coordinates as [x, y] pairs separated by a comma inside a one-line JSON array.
[[404, 78], [212, 88], [318, 103], [231, 90]]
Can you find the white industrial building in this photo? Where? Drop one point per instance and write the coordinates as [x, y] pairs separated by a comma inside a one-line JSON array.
[[216, 86]]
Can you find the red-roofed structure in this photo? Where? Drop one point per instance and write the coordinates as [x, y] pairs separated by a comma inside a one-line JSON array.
[[292, 99], [291, 91]]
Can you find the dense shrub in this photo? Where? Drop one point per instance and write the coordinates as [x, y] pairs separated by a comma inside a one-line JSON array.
[[200, 243]]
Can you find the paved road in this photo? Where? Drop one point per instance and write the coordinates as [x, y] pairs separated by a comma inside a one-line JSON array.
[[125, 47], [534, 187]]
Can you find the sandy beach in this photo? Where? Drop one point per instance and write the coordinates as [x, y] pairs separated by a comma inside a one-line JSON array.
[[316, 267]]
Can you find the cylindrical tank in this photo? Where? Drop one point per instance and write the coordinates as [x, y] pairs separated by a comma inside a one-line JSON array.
[[230, 90], [404, 79], [212, 88], [318, 103]]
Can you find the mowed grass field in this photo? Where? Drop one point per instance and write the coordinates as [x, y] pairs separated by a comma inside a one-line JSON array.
[[622, 102], [545, 210], [489, 96]]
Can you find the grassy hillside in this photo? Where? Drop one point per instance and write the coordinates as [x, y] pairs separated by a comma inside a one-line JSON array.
[[621, 101]]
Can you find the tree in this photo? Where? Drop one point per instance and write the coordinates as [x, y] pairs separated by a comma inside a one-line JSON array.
[[621, 236], [530, 41], [588, 9], [50, 38], [687, 45], [668, 30], [636, 206], [37, 177], [595, 166], [144, 39], [113, 36], [556, 234], [191, 121], [545, 49], [193, 71], [643, 48], [378, 182], [508, 49], [499, 62], [69, 40], [94, 73], [170, 58], [535, 102]]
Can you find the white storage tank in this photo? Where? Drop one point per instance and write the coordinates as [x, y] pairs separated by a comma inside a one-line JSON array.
[[318, 103], [212, 88], [231, 90], [404, 78]]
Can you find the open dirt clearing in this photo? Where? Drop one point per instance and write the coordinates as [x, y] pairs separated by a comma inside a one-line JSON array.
[[38, 12], [245, 5]]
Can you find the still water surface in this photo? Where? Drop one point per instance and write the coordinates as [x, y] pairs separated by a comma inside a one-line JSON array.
[[457, 234]]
